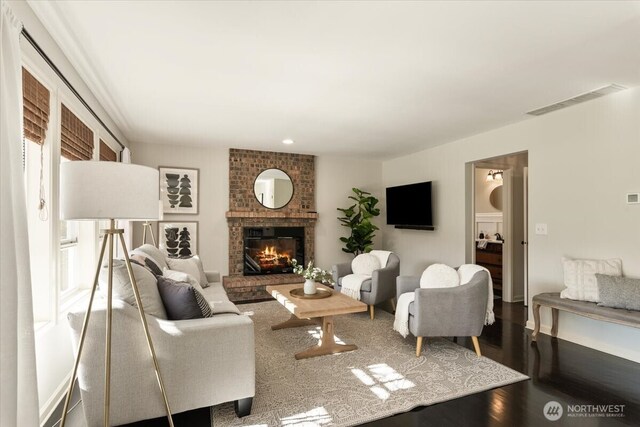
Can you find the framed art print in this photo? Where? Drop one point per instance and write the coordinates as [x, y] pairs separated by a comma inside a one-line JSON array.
[[178, 239], [179, 190]]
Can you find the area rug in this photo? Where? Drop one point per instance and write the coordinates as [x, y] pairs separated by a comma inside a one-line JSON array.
[[381, 378]]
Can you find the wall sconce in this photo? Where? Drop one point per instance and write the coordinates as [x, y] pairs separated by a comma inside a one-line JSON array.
[[494, 176]]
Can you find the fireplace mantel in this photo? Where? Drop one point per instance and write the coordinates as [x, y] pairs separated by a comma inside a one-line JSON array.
[[313, 216]]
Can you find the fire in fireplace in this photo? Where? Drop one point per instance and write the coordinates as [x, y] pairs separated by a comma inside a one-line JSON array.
[[270, 250]]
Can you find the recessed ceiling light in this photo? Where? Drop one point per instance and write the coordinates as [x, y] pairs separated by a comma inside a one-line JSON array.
[[287, 141]]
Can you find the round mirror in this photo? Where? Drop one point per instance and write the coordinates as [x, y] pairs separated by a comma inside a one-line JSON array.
[[495, 198], [273, 188]]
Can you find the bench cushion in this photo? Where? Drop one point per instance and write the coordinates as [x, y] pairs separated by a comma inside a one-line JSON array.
[[589, 309], [218, 299]]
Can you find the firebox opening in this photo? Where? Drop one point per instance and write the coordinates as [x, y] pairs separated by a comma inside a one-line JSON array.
[[270, 250]]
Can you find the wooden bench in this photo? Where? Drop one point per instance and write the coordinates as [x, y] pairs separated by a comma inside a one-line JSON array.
[[582, 308]]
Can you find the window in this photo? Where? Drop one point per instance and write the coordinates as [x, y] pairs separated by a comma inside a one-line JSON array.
[[78, 239], [37, 174], [63, 254], [35, 99], [68, 256], [37, 190], [76, 138], [106, 153]]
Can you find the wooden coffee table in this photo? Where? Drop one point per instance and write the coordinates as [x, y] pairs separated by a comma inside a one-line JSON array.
[[321, 311]]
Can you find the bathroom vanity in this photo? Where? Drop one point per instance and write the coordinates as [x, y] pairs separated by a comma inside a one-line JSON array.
[[491, 259]]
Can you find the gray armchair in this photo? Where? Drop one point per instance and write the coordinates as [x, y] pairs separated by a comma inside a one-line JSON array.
[[381, 286], [447, 312]]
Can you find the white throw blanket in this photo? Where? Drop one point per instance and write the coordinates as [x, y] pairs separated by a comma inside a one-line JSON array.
[[401, 323], [352, 283], [466, 272]]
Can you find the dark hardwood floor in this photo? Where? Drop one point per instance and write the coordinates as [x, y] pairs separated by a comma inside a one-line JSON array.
[[559, 370]]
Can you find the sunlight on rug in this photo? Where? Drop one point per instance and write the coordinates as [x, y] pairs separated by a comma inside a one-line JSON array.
[[379, 379]]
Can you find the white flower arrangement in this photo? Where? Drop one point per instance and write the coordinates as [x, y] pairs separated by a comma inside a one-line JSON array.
[[312, 273]]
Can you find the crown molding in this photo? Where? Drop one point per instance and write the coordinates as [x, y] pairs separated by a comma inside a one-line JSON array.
[[58, 27]]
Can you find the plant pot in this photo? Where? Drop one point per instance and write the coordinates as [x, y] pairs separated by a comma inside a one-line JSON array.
[[309, 287]]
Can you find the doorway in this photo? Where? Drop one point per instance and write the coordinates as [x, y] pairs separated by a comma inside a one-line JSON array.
[[497, 205]]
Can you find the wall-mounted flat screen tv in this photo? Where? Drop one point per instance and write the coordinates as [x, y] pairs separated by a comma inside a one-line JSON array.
[[409, 206]]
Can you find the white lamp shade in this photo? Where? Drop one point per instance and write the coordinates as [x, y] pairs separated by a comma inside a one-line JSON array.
[[91, 190]]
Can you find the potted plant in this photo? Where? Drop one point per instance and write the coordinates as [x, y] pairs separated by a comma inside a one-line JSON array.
[[311, 275], [357, 218]]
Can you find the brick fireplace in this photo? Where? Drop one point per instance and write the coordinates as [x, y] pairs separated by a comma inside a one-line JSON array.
[[246, 216]]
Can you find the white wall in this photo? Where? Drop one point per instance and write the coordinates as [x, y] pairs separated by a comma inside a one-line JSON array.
[[335, 177], [213, 192], [582, 161]]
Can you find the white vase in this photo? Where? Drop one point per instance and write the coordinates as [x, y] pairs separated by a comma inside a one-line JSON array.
[[309, 286]]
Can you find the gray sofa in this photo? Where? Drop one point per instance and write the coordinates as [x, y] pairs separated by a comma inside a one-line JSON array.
[[446, 312], [203, 362], [381, 287]]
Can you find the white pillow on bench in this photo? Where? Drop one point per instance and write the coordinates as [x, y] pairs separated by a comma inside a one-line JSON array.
[[580, 277]]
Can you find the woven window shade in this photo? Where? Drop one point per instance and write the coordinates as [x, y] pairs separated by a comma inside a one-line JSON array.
[[35, 99], [106, 153], [76, 137]]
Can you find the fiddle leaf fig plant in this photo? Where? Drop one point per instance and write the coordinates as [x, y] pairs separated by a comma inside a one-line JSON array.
[[357, 218]]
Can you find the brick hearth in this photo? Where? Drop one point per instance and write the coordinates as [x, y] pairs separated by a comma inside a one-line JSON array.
[[251, 288], [246, 211]]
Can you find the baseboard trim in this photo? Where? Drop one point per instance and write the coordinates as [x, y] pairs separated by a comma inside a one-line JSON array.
[[52, 404], [587, 342]]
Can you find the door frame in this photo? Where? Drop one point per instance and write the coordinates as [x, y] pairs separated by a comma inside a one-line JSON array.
[[508, 245]]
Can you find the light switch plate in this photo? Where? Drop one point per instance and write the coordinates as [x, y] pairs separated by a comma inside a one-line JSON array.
[[541, 229], [633, 198]]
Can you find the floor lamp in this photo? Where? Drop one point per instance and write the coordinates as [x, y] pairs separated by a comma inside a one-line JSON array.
[[91, 190], [147, 226]]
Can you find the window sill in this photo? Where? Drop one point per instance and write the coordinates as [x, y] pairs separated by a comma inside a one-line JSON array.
[[72, 299], [42, 327]]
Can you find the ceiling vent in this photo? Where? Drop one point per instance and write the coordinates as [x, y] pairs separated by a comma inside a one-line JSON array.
[[606, 90]]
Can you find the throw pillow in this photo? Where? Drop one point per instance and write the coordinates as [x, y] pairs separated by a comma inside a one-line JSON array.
[[155, 254], [146, 261], [122, 289], [189, 266], [203, 276], [179, 276], [439, 276], [619, 292], [365, 264], [182, 301], [580, 277]]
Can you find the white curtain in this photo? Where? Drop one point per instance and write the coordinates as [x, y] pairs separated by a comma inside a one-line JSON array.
[[18, 385]]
